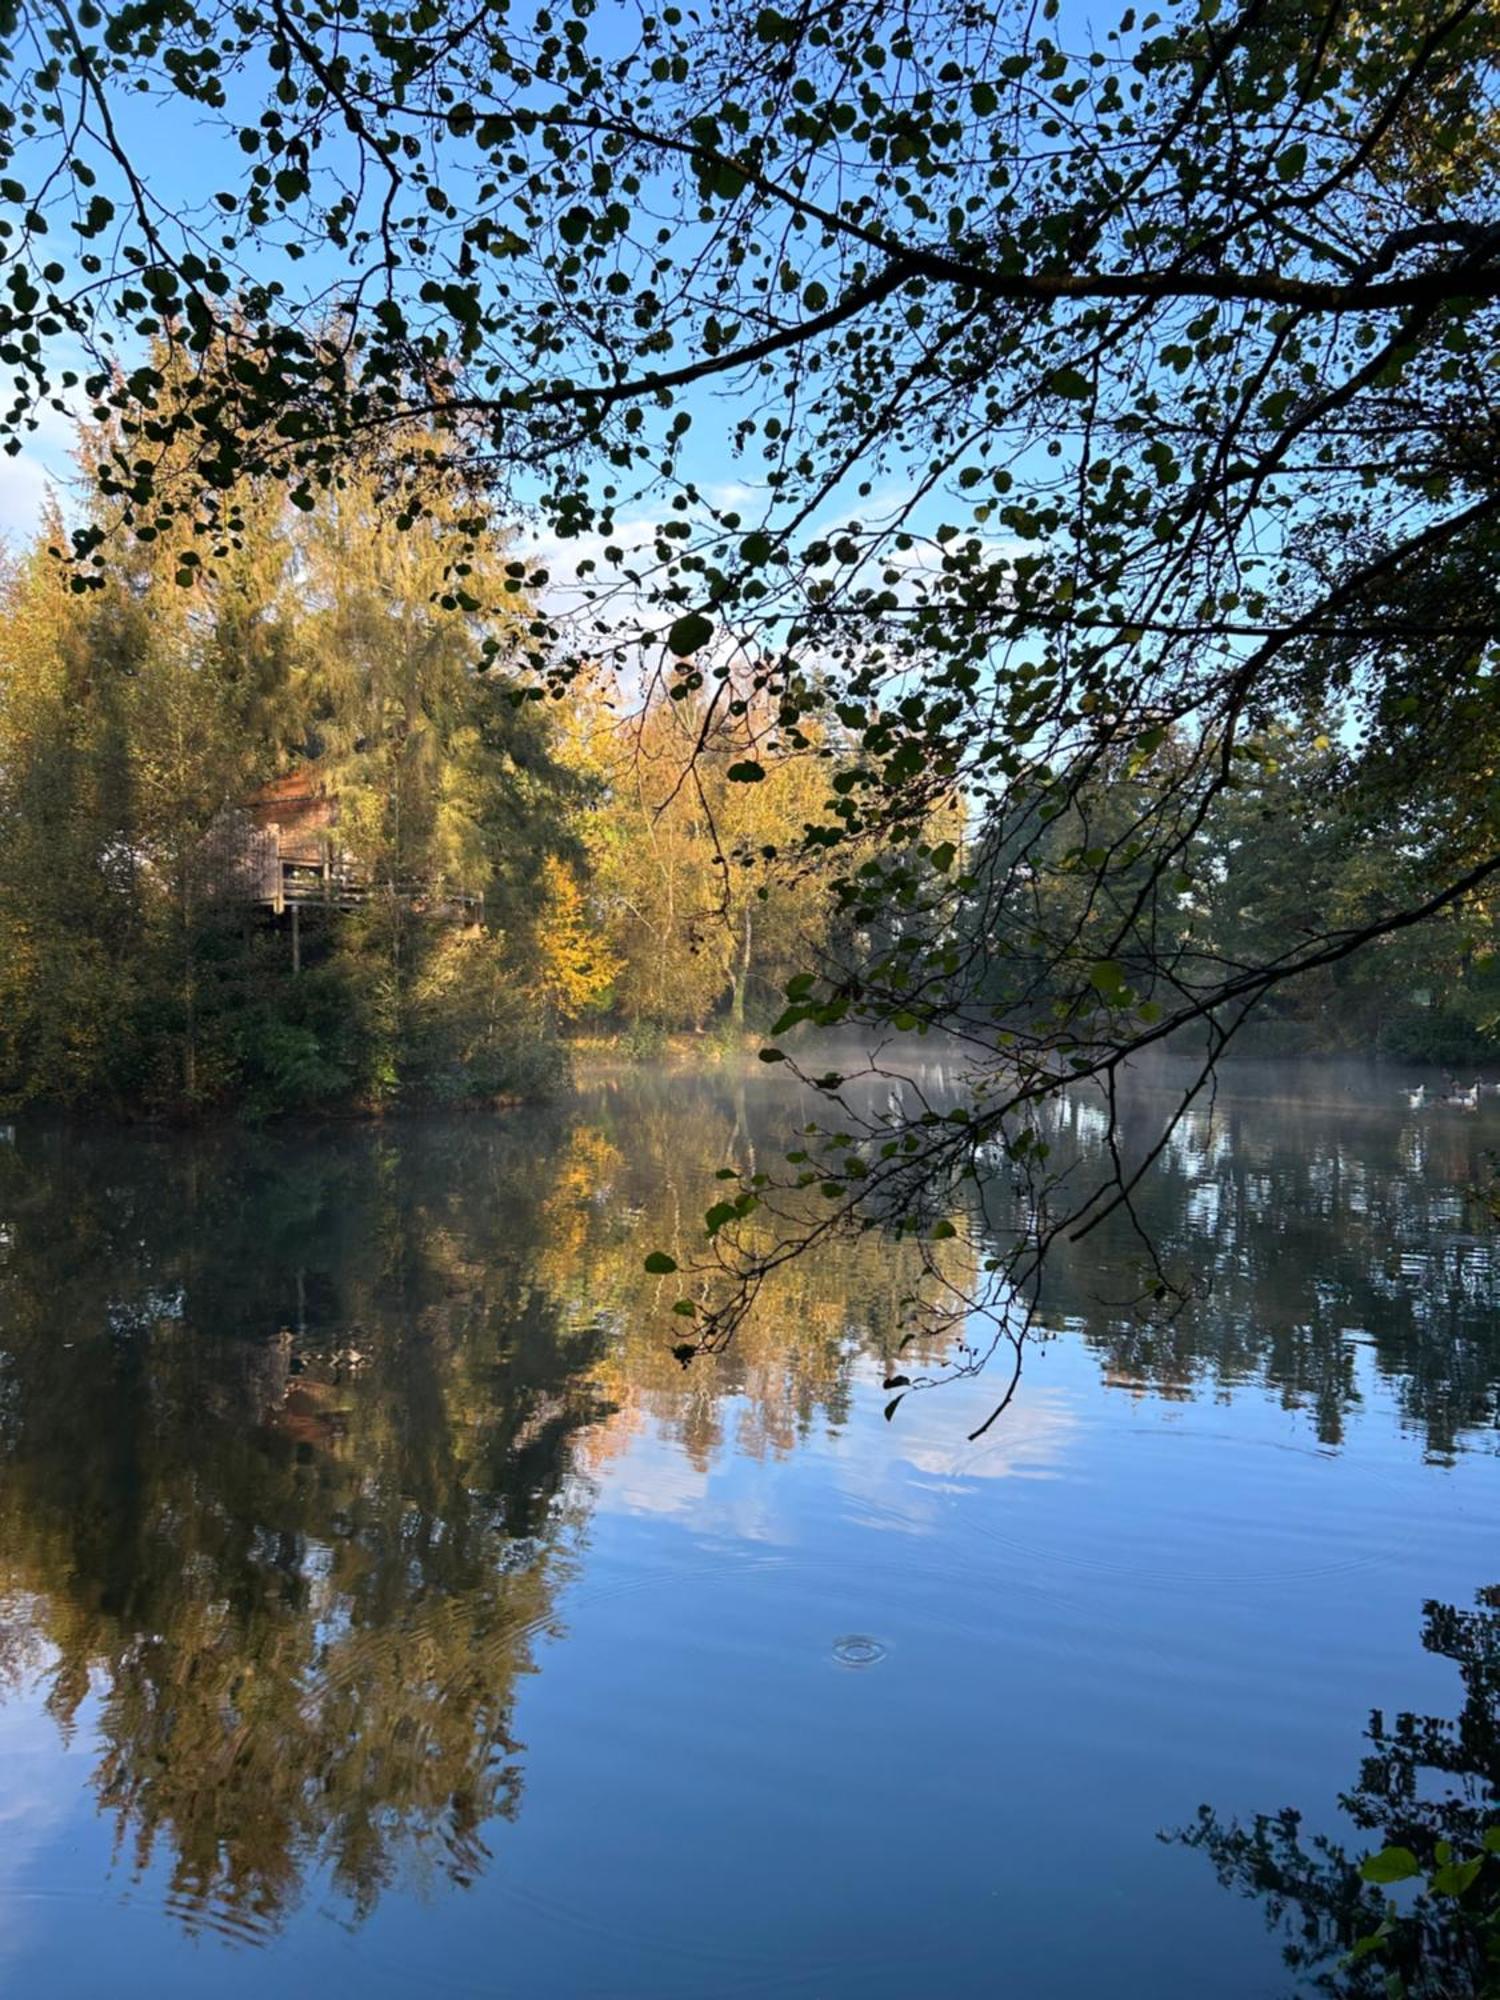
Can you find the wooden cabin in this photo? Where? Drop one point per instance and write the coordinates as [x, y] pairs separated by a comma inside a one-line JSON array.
[[279, 847], [292, 844]]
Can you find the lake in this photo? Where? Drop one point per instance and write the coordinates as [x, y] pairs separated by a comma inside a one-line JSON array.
[[384, 1610]]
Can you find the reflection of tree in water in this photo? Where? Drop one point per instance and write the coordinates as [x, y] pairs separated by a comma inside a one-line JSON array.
[[1303, 1232], [295, 1434], [299, 1570], [290, 1442], [639, 1173], [1425, 1780]]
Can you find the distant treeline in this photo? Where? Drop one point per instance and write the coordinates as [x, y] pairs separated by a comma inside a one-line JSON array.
[[1310, 842], [512, 872]]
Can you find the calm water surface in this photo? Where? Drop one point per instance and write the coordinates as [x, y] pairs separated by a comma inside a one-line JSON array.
[[383, 1610]]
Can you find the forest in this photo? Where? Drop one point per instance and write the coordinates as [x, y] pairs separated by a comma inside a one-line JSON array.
[[500, 873], [516, 874]]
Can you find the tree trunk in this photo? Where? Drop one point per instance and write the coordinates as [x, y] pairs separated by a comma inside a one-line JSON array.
[[740, 978]]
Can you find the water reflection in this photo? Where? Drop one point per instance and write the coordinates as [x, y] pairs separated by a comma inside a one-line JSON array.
[[285, 1451], [298, 1437], [1307, 1230], [302, 1437], [1425, 1780]]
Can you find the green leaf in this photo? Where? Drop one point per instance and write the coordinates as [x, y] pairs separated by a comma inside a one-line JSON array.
[[690, 634], [748, 773], [1372, 1941], [1457, 1876], [941, 1231], [1069, 382], [1391, 1864], [1292, 162], [772, 1055], [1108, 978], [659, 1264]]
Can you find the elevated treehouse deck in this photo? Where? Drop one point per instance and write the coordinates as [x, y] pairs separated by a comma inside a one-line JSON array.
[[280, 849]]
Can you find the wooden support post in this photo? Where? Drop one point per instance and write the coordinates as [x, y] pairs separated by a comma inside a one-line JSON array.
[[296, 939]]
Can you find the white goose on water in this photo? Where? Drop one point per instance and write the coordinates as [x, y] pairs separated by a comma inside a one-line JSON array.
[[1463, 1100], [1418, 1097]]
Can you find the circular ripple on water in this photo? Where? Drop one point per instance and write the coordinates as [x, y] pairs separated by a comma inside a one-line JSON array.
[[857, 1650]]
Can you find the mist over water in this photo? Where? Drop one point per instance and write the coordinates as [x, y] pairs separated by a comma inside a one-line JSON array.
[[382, 1605]]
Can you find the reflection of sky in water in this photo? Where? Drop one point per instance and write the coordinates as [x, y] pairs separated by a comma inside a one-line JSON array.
[[1181, 1567]]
